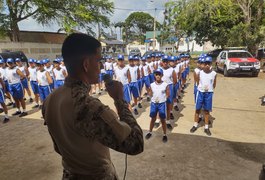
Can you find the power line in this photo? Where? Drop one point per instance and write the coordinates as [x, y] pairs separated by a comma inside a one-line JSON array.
[[125, 9]]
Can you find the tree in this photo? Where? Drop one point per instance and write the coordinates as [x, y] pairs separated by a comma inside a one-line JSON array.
[[67, 13], [136, 25], [223, 22]]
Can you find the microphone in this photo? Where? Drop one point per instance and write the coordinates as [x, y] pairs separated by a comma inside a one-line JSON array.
[[107, 79]]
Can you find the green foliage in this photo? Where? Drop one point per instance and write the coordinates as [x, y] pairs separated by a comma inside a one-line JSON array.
[[136, 25], [69, 14], [223, 22]]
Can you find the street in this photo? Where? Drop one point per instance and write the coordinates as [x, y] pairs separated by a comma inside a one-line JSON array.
[[236, 149]]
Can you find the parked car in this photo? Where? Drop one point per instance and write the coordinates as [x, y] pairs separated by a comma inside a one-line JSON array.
[[237, 62], [261, 58], [135, 52], [14, 55]]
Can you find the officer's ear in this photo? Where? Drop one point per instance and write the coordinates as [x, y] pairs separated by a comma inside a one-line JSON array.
[[86, 64]]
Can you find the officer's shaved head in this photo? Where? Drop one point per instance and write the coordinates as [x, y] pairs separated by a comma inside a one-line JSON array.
[[76, 48]]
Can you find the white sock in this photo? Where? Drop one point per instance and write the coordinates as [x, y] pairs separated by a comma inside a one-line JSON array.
[[195, 124], [206, 126], [30, 97], [157, 121], [36, 103], [175, 104], [18, 109], [200, 115], [24, 110], [165, 134], [167, 121], [6, 116], [171, 111]]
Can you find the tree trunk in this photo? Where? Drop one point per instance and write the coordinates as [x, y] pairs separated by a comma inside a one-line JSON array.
[[14, 31]]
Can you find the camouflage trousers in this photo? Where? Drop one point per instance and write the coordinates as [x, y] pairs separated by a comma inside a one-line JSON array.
[[67, 175]]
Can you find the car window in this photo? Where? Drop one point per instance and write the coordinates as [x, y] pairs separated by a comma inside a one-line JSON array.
[[239, 55], [223, 55]]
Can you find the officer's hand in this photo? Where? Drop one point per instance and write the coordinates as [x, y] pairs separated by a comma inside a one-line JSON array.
[[115, 90]]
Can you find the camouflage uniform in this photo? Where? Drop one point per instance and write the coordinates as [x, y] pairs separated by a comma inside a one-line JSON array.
[[83, 129]]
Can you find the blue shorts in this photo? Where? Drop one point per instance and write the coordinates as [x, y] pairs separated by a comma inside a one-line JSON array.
[[110, 72], [35, 87], [134, 89], [171, 94], [160, 108], [58, 83], [146, 81], [126, 93], [151, 78], [101, 75], [183, 75], [176, 88], [204, 100], [7, 86], [52, 84], [16, 90], [2, 96], [24, 83], [188, 70], [44, 92], [140, 82], [195, 92]]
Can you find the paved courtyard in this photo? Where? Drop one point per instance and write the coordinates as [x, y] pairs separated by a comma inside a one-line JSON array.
[[236, 149]]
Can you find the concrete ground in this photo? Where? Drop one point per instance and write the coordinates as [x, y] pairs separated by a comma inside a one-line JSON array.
[[236, 149]]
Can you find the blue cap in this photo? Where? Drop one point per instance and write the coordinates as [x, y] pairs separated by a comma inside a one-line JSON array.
[[57, 60], [41, 61], [2, 61], [208, 59], [143, 58], [10, 60], [18, 59], [153, 55], [159, 55], [120, 57], [186, 55], [165, 57], [47, 60], [31, 60], [44, 61], [177, 58], [136, 58], [182, 56], [131, 58], [148, 56], [172, 58], [159, 70]]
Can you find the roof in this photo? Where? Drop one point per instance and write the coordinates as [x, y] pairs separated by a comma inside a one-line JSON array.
[[113, 42]]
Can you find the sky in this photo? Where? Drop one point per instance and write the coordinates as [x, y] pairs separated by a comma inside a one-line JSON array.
[[118, 15]]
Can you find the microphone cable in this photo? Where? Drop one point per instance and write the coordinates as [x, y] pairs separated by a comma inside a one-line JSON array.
[[125, 171]]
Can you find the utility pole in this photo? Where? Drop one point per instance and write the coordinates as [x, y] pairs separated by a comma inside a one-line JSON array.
[[154, 37]]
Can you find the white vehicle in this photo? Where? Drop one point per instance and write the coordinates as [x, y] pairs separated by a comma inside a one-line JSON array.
[[237, 62]]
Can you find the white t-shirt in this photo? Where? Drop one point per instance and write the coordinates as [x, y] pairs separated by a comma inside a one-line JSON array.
[[3, 73], [12, 76], [108, 66], [145, 69], [58, 74], [50, 70], [159, 92], [22, 69], [33, 73], [121, 74], [42, 79], [167, 75], [206, 81], [134, 73], [151, 66]]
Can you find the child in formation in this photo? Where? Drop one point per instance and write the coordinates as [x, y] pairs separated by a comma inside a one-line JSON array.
[[14, 78]]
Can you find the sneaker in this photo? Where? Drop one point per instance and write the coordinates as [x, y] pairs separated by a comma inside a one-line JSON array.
[[25, 99], [99, 93], [148, 99], [208, 132], [182, 91], [164, 139], [31, 100], [148, 135], [145, 94], [14, 105], [179, 97], [5, 120], [36, 106], [1, 110], [177, 100], [200, 119], [23, 114], [156, 125], [176, 108], [16, 113], [140, 105], [193, 129], [10, 104], [135, 112], [169, 127], [171, 116]]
